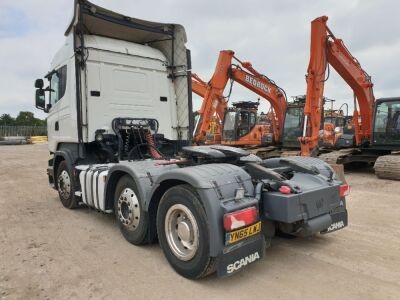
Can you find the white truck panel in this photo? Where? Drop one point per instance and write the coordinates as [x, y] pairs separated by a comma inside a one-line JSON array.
[[129, 86]]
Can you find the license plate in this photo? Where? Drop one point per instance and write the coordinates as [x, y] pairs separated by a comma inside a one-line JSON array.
[[237, 235]]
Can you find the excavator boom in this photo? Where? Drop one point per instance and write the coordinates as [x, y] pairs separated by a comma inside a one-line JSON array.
[[244, 74], [213, 97], [199, 87], [263, 87], [327, 50]]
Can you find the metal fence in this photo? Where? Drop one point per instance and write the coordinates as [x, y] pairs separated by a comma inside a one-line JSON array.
[[23, 131]]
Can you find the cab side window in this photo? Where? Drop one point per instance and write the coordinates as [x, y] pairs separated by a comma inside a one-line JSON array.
[[340, 122], [253, 120], [58, 84]]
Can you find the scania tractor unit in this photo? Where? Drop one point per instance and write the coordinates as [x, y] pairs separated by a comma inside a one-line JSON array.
[[118, 98]]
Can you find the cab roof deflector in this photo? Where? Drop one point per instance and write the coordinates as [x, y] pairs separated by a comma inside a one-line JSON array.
[[93, 19]]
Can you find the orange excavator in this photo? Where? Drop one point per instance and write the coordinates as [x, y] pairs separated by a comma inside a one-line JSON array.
[[240, 126], [327, 50], [213, 133], [376, 122]]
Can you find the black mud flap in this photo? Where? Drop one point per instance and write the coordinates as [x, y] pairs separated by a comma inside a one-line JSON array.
[[339, 221], [236, 257]]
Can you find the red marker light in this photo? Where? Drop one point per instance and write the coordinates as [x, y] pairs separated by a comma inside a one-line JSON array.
[[284, 189], [344, 190], [240, 218]]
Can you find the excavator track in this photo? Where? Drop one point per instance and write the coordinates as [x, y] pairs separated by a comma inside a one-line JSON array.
[[334, 157], [330, 158], [272, 151], [388, 167]]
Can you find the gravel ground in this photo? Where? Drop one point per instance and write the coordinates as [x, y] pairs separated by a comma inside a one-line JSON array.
[[48, 252]]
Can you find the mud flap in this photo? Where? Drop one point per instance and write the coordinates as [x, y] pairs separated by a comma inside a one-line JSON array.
[[236, 257], [339, 221]]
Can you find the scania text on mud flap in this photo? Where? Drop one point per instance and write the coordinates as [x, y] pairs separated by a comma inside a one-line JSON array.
[[119, 129], [242, 262]]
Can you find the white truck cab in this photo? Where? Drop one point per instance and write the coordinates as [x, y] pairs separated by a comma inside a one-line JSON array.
[[112, 67]]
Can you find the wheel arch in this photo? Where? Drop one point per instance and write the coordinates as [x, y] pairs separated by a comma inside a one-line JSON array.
[[207, 197], [156, 196], [143, 184], [60, 156], [150, 204], [112, 181]]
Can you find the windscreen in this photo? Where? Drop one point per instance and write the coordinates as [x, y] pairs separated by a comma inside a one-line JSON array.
[[229, 126], [292, 127], [387, 123], [331, 120]]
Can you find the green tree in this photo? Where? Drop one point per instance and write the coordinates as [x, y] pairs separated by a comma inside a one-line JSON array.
[[27, 118], [6, 119]]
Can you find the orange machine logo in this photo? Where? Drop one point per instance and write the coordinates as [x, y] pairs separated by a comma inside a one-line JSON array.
[[257, 84]]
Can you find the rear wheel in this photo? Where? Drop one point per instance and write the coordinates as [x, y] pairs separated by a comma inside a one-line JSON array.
[[131, 219], [66, 186], [183, 232]]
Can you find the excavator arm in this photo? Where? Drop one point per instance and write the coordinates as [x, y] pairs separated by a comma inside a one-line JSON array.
[[212, 98], [327, 50], [199, 87], [246, 75]]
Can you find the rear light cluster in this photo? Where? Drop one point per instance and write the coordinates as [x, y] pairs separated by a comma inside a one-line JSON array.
[[284, 189], [240, 218], [344, 190]]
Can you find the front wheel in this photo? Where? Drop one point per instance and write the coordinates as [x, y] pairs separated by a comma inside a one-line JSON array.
[[183, 232], [66, 186]]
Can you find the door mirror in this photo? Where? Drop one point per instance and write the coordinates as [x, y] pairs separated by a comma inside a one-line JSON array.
[[39, 83], [40, 101]]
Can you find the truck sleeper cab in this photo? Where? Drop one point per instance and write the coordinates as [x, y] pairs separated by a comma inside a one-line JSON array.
[[120, 111]]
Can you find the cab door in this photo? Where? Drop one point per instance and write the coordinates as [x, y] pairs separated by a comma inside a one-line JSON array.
[[58, 87]]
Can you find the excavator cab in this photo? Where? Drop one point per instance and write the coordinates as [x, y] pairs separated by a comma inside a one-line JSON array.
[[338, 132], [241, 125], [386, 129], [293, 123], [338, 128]]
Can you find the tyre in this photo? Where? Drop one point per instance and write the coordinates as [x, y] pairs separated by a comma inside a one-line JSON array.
[[183, 232], [66, 186], [131, 219]]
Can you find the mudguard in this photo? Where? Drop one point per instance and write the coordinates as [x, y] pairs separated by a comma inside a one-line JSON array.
[[215, 183], [65, 155], [144, 173]]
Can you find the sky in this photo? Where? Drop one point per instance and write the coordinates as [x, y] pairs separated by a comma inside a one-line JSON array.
[[273, 35]]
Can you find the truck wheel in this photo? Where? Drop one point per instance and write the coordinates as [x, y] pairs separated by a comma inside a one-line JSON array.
[[131, 220], [183, 232], [66, 186]]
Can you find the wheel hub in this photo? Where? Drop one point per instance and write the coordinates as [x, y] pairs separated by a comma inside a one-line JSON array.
[[182, 232], [64, 184], [128, 208]]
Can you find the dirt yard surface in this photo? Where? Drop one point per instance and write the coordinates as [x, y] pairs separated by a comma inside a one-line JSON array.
[[49, 252]]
